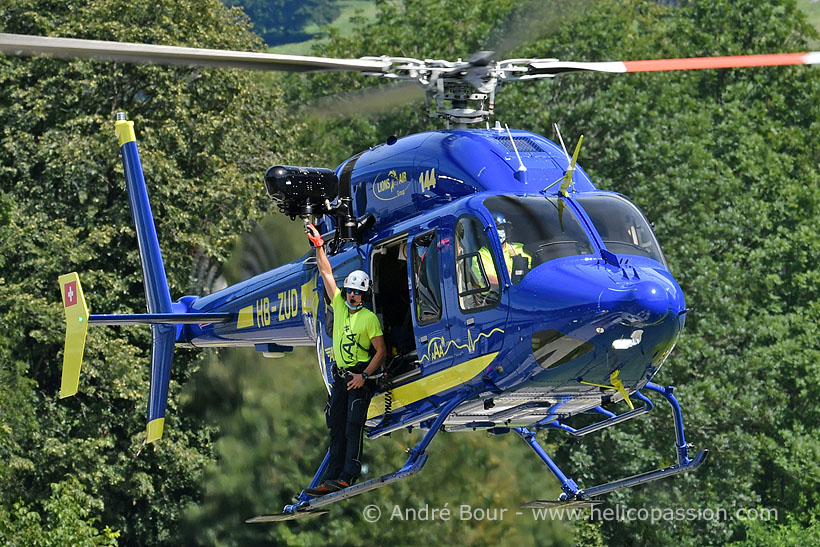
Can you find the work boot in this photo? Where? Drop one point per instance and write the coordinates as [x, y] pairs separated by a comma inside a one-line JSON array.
[[327, 487]]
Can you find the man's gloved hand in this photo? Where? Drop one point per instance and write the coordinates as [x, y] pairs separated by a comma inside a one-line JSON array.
[[313, 235]]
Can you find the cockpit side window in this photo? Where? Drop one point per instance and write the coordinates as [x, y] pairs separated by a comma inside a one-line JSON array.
[[476, 269], [426, 278], [622, 226]]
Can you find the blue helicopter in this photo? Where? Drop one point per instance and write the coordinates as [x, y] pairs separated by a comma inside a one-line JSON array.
[[513, 293]]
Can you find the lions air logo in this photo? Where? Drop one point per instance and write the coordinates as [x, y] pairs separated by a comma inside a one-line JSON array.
[[427, 179], [438, 347], [391, 187]]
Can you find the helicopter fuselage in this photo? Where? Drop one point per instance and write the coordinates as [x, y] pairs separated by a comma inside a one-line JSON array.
[[587, 306]]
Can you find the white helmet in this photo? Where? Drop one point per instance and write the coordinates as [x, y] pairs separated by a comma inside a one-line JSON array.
[[357, 280]]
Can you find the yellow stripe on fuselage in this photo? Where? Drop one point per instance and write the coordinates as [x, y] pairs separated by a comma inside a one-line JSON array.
[[431, 385], [245, 318]]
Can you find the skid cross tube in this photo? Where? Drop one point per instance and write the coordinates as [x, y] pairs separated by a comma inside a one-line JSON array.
[[413, 465], [612, 419], [685, 463]]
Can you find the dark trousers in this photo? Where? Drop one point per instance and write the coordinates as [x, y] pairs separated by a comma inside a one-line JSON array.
[[346, 414]]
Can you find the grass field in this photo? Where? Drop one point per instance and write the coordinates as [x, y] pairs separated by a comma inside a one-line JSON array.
[[343, 23], [812, 9]]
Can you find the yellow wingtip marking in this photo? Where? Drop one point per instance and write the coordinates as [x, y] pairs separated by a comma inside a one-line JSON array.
[[154, 429], [76, 328]]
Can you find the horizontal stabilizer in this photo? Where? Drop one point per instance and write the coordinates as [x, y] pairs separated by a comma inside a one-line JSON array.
[[76, 327], [159, 318]]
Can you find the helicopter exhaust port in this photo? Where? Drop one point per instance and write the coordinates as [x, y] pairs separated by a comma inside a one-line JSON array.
[[301, 191]]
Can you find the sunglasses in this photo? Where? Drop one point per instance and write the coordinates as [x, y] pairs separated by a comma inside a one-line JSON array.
[[354, 291]]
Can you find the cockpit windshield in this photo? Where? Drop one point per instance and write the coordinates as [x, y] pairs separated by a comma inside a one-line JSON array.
[[534, 230], [622, 227]]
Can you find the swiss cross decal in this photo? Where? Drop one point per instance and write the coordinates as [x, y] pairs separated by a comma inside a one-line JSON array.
[[70, 293]]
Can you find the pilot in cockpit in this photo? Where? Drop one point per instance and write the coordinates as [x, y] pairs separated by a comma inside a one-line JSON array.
[[509, 248]]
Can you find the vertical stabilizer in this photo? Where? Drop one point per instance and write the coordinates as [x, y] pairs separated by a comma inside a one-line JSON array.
[[157, 294]]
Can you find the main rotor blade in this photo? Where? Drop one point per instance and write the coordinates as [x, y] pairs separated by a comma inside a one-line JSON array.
[[72, 48], [552, 66]]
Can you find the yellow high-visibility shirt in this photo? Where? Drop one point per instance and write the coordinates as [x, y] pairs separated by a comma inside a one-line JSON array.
[[352, 332], [487, 259]]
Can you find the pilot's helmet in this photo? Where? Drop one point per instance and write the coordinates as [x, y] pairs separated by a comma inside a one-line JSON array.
[[504, 226], [357, 280]]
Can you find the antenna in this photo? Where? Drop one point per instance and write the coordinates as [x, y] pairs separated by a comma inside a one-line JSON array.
[[521, 174], [557, 132]]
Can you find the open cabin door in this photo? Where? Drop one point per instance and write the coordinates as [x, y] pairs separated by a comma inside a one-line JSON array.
[[431, 329], [392, 305], [408, 298]]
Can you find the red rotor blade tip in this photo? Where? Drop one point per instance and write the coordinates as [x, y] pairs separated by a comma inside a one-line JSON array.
[[736, 61]]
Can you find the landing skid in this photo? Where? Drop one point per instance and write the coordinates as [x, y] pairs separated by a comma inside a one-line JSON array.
[[567, 504], [278, 517], [573, 496], [307, 506], [580, 497]]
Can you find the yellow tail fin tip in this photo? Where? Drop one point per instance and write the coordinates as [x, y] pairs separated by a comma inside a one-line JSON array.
[[154, 429]]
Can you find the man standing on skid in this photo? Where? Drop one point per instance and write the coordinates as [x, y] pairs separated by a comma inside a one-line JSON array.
[[355, 330]]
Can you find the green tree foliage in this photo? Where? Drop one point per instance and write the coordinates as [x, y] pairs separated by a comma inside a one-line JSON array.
[[204, 143], [67, 520], [284, 21], [725, 162]]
